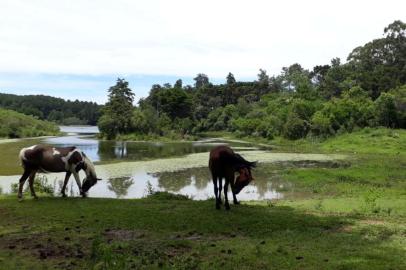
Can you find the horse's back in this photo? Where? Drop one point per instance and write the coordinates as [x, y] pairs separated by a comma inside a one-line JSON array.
[[44, 157], [220, 159]]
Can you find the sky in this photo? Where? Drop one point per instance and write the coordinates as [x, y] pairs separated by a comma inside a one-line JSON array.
[[77, 49]]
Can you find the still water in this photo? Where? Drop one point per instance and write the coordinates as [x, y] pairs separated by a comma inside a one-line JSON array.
[[135, 169]]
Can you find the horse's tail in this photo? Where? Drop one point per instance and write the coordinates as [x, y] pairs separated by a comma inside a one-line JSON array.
[[21, 156]]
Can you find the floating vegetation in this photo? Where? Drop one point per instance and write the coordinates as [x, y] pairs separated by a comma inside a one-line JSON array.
[[201, 159]]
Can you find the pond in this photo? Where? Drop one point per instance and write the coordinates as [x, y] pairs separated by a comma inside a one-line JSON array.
[[135, 169]]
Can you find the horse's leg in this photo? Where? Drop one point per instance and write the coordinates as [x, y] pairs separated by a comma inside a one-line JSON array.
[[65, 182], [220, 188], [77, 178], [229, 177], [235, 201], [227, 180], [23, 178], [216, 190], [31, 182]]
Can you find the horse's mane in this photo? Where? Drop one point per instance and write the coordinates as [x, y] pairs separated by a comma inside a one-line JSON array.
[[241, 162]]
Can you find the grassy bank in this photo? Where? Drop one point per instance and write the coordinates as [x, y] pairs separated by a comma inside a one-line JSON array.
[[18, 125], [350, 217], [169, 232]]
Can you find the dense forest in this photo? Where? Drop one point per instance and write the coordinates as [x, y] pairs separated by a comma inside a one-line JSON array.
[[367, 90], [18, 125], [52, 109]]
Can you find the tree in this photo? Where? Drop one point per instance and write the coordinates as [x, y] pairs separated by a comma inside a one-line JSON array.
[[379, 65], [178, 84], [386, 110], [201, 80], [230, 79], [118, 111]]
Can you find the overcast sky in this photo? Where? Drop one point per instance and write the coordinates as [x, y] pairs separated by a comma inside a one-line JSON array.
[[76, 49]]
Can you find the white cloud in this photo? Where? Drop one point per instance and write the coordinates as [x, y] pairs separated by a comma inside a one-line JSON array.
[[184, 37]]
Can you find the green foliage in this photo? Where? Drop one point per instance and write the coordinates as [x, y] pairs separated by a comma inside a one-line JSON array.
[[41, 185], [354, 110], [52, 109], [380, 64], [386, 113], [367, 91], [400, 104], [17, 125], [118, 111], [295, 127]]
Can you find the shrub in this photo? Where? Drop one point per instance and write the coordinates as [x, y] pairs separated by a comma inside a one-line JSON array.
[[321, 125], [400, 104], [295, 128], [385, 110]]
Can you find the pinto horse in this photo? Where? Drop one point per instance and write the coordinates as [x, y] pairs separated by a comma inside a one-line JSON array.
[[223, 163], [44, 158]]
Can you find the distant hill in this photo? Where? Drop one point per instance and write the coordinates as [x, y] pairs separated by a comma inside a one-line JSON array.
[[18, 125], [52, 109]]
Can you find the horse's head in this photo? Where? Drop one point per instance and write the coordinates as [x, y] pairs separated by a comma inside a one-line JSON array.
[[91, 177], [243, 179]]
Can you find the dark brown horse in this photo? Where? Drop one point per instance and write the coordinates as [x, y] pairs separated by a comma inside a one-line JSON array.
[[44, 158], [223, 163]]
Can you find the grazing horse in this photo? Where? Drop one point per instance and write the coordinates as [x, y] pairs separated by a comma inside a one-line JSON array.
[[223, 163], [44, 158]]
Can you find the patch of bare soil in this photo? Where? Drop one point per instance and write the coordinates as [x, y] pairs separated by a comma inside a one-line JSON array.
[[43, 247]]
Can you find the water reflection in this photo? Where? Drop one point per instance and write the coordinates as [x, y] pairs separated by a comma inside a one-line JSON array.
[[110, 151], [195, 183], [120, 185]]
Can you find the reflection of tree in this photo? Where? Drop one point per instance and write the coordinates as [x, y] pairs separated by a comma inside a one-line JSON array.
[[202, 177], [267, 177], [175, 181], [109, 150], [120, 185]]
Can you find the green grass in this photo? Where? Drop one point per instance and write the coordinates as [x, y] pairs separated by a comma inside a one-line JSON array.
[[349, 217], [171, 232], [18, 125]]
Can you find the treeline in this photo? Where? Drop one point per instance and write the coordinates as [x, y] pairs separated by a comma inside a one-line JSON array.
[[369, 89], [53, 109], [18, 125]]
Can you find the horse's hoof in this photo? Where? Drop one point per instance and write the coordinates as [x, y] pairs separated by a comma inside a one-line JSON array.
[[35, 197], [236, 202], [227, 207], [20, 199], [63, 195], [218, 206]]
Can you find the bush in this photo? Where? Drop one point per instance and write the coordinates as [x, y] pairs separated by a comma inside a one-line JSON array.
[[385, 110], [295, 128], [246, 126], [321, 125], [400, 104], [107, 126]]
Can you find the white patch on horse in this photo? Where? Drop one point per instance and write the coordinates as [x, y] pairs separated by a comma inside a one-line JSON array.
[[55, 152], [22, 152], [65, 160]]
